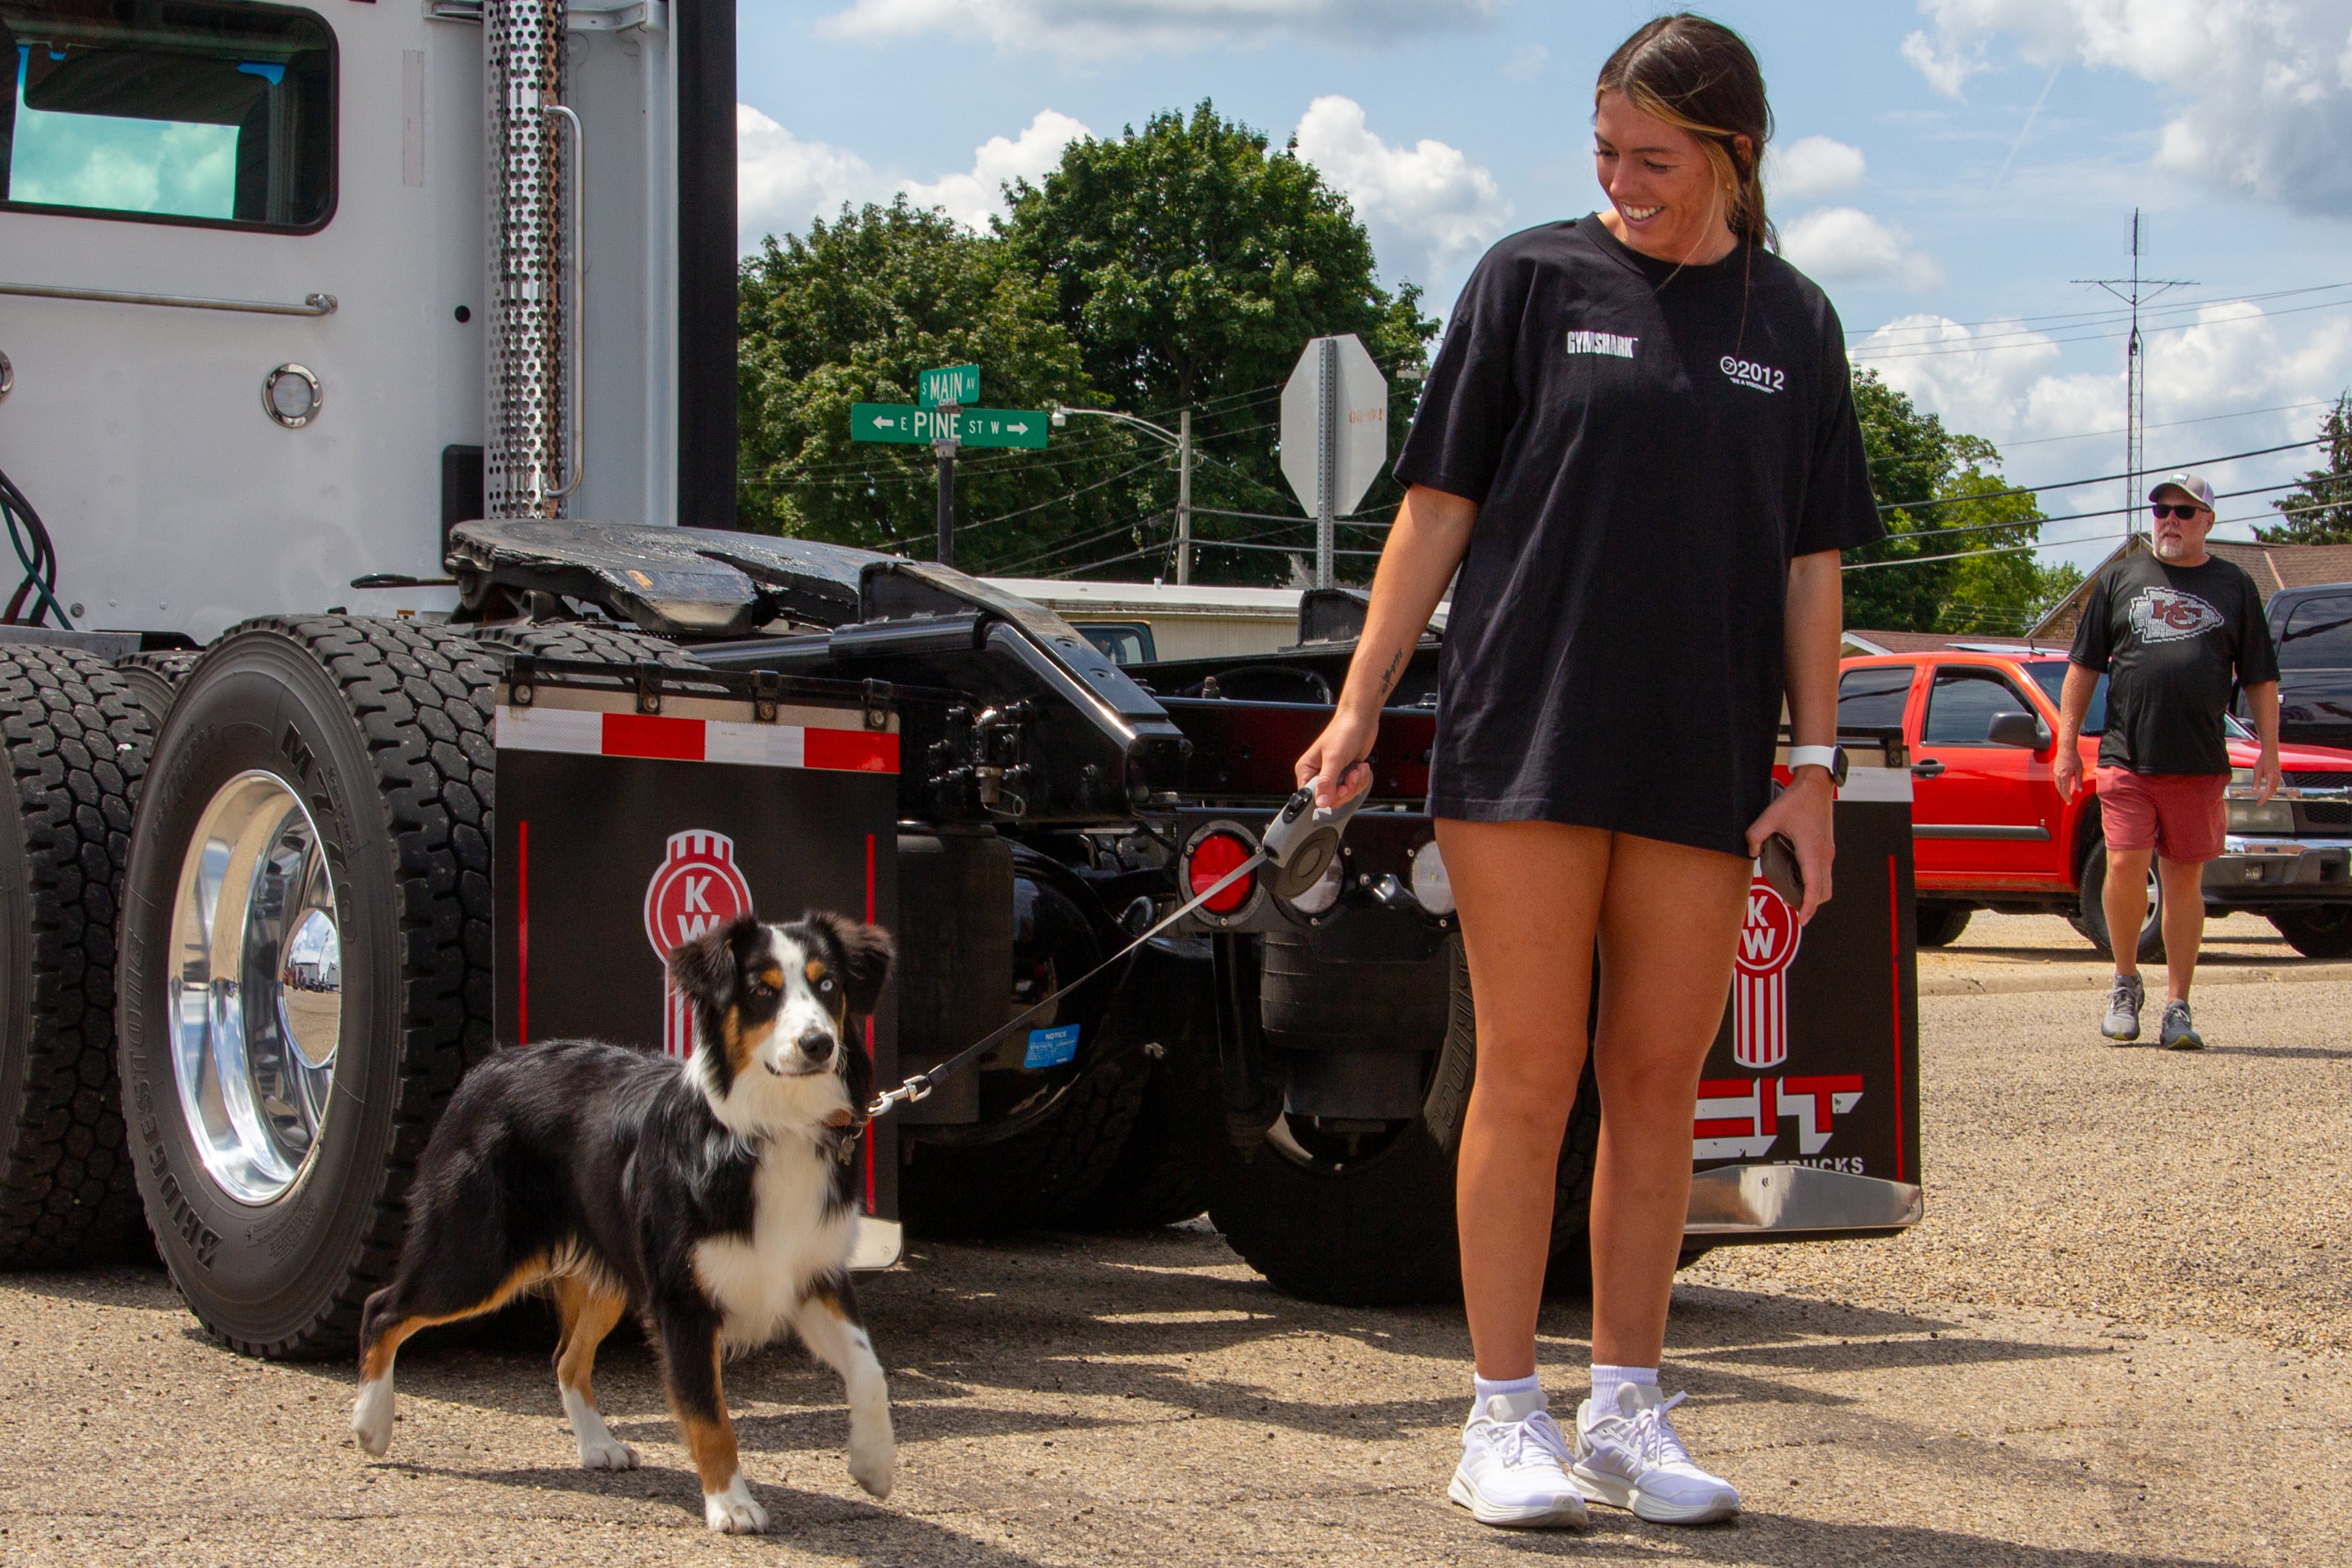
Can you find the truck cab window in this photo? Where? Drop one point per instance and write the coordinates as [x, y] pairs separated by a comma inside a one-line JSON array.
[[2049, 675], [2318, 635], [1873, 698], [187, 111], [1962, 705]]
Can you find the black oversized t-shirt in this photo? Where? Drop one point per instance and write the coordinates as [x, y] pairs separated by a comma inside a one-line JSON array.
[[1649, 446], [2172, 641]]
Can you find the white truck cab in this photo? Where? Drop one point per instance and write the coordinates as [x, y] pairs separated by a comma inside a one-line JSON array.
[[259, 313]]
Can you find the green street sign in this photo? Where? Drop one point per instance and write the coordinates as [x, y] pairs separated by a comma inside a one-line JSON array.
[[948, 384], [897, 421], [901, 423], [1002, 427]]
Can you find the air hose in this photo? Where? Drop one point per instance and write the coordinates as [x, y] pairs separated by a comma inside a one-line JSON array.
[[30, 538]]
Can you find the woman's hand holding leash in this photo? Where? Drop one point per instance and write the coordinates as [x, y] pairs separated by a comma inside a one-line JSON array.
[[1335, 764]]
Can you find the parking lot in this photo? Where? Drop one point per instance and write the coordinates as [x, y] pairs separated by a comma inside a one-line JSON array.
[[2119, 1337]]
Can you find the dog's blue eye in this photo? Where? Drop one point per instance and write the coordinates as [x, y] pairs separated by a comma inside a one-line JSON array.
[[824, 985]]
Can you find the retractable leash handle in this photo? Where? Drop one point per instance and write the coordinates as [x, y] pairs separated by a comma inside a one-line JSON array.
[[1300, 844], [1303, 839]]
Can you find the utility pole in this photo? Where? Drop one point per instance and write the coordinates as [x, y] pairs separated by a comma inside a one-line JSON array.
[[2136, 291], [1327, 459], [1184, 498]]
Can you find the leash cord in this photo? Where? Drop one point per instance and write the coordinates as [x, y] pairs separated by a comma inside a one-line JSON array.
[[920, 1086]]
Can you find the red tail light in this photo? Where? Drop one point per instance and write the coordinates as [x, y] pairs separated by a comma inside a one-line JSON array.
[[1213, 858]]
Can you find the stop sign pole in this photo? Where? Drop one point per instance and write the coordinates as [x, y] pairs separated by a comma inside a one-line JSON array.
[[1334, 435]]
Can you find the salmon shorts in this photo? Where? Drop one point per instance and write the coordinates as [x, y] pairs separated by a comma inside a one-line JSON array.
[[2179, 815]]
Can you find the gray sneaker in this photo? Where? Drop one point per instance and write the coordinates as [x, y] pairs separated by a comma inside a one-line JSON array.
[[2122, 1022], [2179, 1031]]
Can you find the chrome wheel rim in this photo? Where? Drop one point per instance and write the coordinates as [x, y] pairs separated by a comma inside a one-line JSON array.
[[256, 988]]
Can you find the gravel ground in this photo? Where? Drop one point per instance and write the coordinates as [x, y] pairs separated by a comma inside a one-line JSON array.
[[2097, 1351]]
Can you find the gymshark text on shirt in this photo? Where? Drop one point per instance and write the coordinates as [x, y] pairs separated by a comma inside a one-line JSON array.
[[1580, 341]]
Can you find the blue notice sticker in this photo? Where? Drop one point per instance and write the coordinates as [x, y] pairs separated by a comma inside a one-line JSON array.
[[1052, 1047]]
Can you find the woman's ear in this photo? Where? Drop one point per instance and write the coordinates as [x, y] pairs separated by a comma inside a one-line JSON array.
[[866, 952]]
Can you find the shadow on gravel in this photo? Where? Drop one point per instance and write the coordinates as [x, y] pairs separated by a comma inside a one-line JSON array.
[[797, 1520], [1756, 1538]]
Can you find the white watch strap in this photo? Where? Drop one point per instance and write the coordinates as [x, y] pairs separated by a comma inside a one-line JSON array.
[[1812, 756]]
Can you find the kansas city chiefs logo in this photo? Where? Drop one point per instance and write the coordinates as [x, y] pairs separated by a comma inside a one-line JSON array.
[[2167, 615]]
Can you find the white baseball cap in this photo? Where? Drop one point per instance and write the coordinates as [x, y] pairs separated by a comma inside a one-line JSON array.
[[2193, 486]]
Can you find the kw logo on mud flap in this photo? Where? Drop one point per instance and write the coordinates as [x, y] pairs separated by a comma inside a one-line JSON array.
[[695, 887], [2169, 615], [1739, 1118]]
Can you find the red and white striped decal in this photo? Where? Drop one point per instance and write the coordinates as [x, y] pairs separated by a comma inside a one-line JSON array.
[[582, 732]]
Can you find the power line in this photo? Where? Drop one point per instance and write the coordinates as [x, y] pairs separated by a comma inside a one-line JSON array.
[[2076, 484], [2170, 424], [1938, 324]]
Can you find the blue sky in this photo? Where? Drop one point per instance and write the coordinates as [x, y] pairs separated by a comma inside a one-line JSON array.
[[1946, 170]]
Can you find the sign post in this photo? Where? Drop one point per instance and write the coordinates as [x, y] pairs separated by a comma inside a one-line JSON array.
[[943, 420], [1335, 436]]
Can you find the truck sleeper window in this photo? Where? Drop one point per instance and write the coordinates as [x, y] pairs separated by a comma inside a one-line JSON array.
[[178, 111]]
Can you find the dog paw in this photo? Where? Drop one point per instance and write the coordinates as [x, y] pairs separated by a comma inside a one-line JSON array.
[[734, 1511], [371, 1416], [874, 1467], [606, 1453]]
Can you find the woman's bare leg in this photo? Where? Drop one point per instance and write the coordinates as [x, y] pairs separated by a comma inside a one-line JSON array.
[[1530, 895], [1670, 922]]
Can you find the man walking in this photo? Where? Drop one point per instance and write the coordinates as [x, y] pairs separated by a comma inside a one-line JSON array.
[[2174, 632]]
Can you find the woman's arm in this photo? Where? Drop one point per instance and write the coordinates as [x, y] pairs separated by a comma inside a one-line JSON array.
[[1815, 622], [1424, 545]]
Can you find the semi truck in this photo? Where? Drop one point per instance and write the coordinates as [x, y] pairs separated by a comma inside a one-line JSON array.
[[388, 685]]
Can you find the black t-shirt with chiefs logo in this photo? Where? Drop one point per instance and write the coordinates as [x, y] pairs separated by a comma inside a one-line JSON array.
[[1649, 445], [2175, 643]]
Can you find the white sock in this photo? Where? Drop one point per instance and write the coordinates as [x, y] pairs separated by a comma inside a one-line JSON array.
[[1606, 1380], [1507, 1386]]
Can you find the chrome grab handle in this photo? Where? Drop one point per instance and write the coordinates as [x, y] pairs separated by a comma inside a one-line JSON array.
[[579, 350], [312, 304]]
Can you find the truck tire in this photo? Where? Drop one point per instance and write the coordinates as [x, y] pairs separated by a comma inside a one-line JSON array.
[[1375, 1227], [1035, 1179], [1160, 1175], [77, 747], [1941, 924], [2323, 931], [582, 639], [2091, 916], [154, 681], [313, 847]]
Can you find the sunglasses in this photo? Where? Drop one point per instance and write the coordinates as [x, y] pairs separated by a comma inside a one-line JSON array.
[[2185, 514]]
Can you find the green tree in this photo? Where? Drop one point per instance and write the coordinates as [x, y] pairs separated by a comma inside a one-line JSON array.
[[1958, 566], [2319, 512], [1192, 263], [852, 312]]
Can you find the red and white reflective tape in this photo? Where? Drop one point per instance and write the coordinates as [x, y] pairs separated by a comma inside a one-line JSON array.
[[582, 732]]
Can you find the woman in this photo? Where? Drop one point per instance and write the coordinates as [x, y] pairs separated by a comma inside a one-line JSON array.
[[1639, 445]]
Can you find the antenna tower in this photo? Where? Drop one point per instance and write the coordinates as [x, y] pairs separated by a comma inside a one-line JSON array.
[[2136, 291]]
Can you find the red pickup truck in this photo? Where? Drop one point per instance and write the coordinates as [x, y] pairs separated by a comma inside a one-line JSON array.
[[1991, 832]]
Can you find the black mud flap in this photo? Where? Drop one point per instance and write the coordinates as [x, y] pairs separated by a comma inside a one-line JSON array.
[[1808, 1120], [623, 832]]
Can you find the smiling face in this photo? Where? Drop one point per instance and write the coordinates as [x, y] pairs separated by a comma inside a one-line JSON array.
[[773, 1009], [1668, 197]]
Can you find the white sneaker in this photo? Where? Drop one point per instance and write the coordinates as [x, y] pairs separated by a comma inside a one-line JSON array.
[[1514, 1468], [1630, 1457]]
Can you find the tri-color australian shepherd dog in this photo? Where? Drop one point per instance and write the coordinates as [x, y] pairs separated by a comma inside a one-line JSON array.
[[708, 1197]]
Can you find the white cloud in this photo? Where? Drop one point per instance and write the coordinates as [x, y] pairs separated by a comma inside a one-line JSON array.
[[1528, 62], [1427, 206], [782, 182], [1811, 168], [2261, 89], [976, 197], [1846, 245], [1131, 27], [2001, 380]]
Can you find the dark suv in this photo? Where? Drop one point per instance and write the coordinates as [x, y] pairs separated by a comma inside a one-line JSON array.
[[2314, 628]]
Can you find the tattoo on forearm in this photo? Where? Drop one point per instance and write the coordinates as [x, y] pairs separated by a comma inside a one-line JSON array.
[[1388, 675]]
